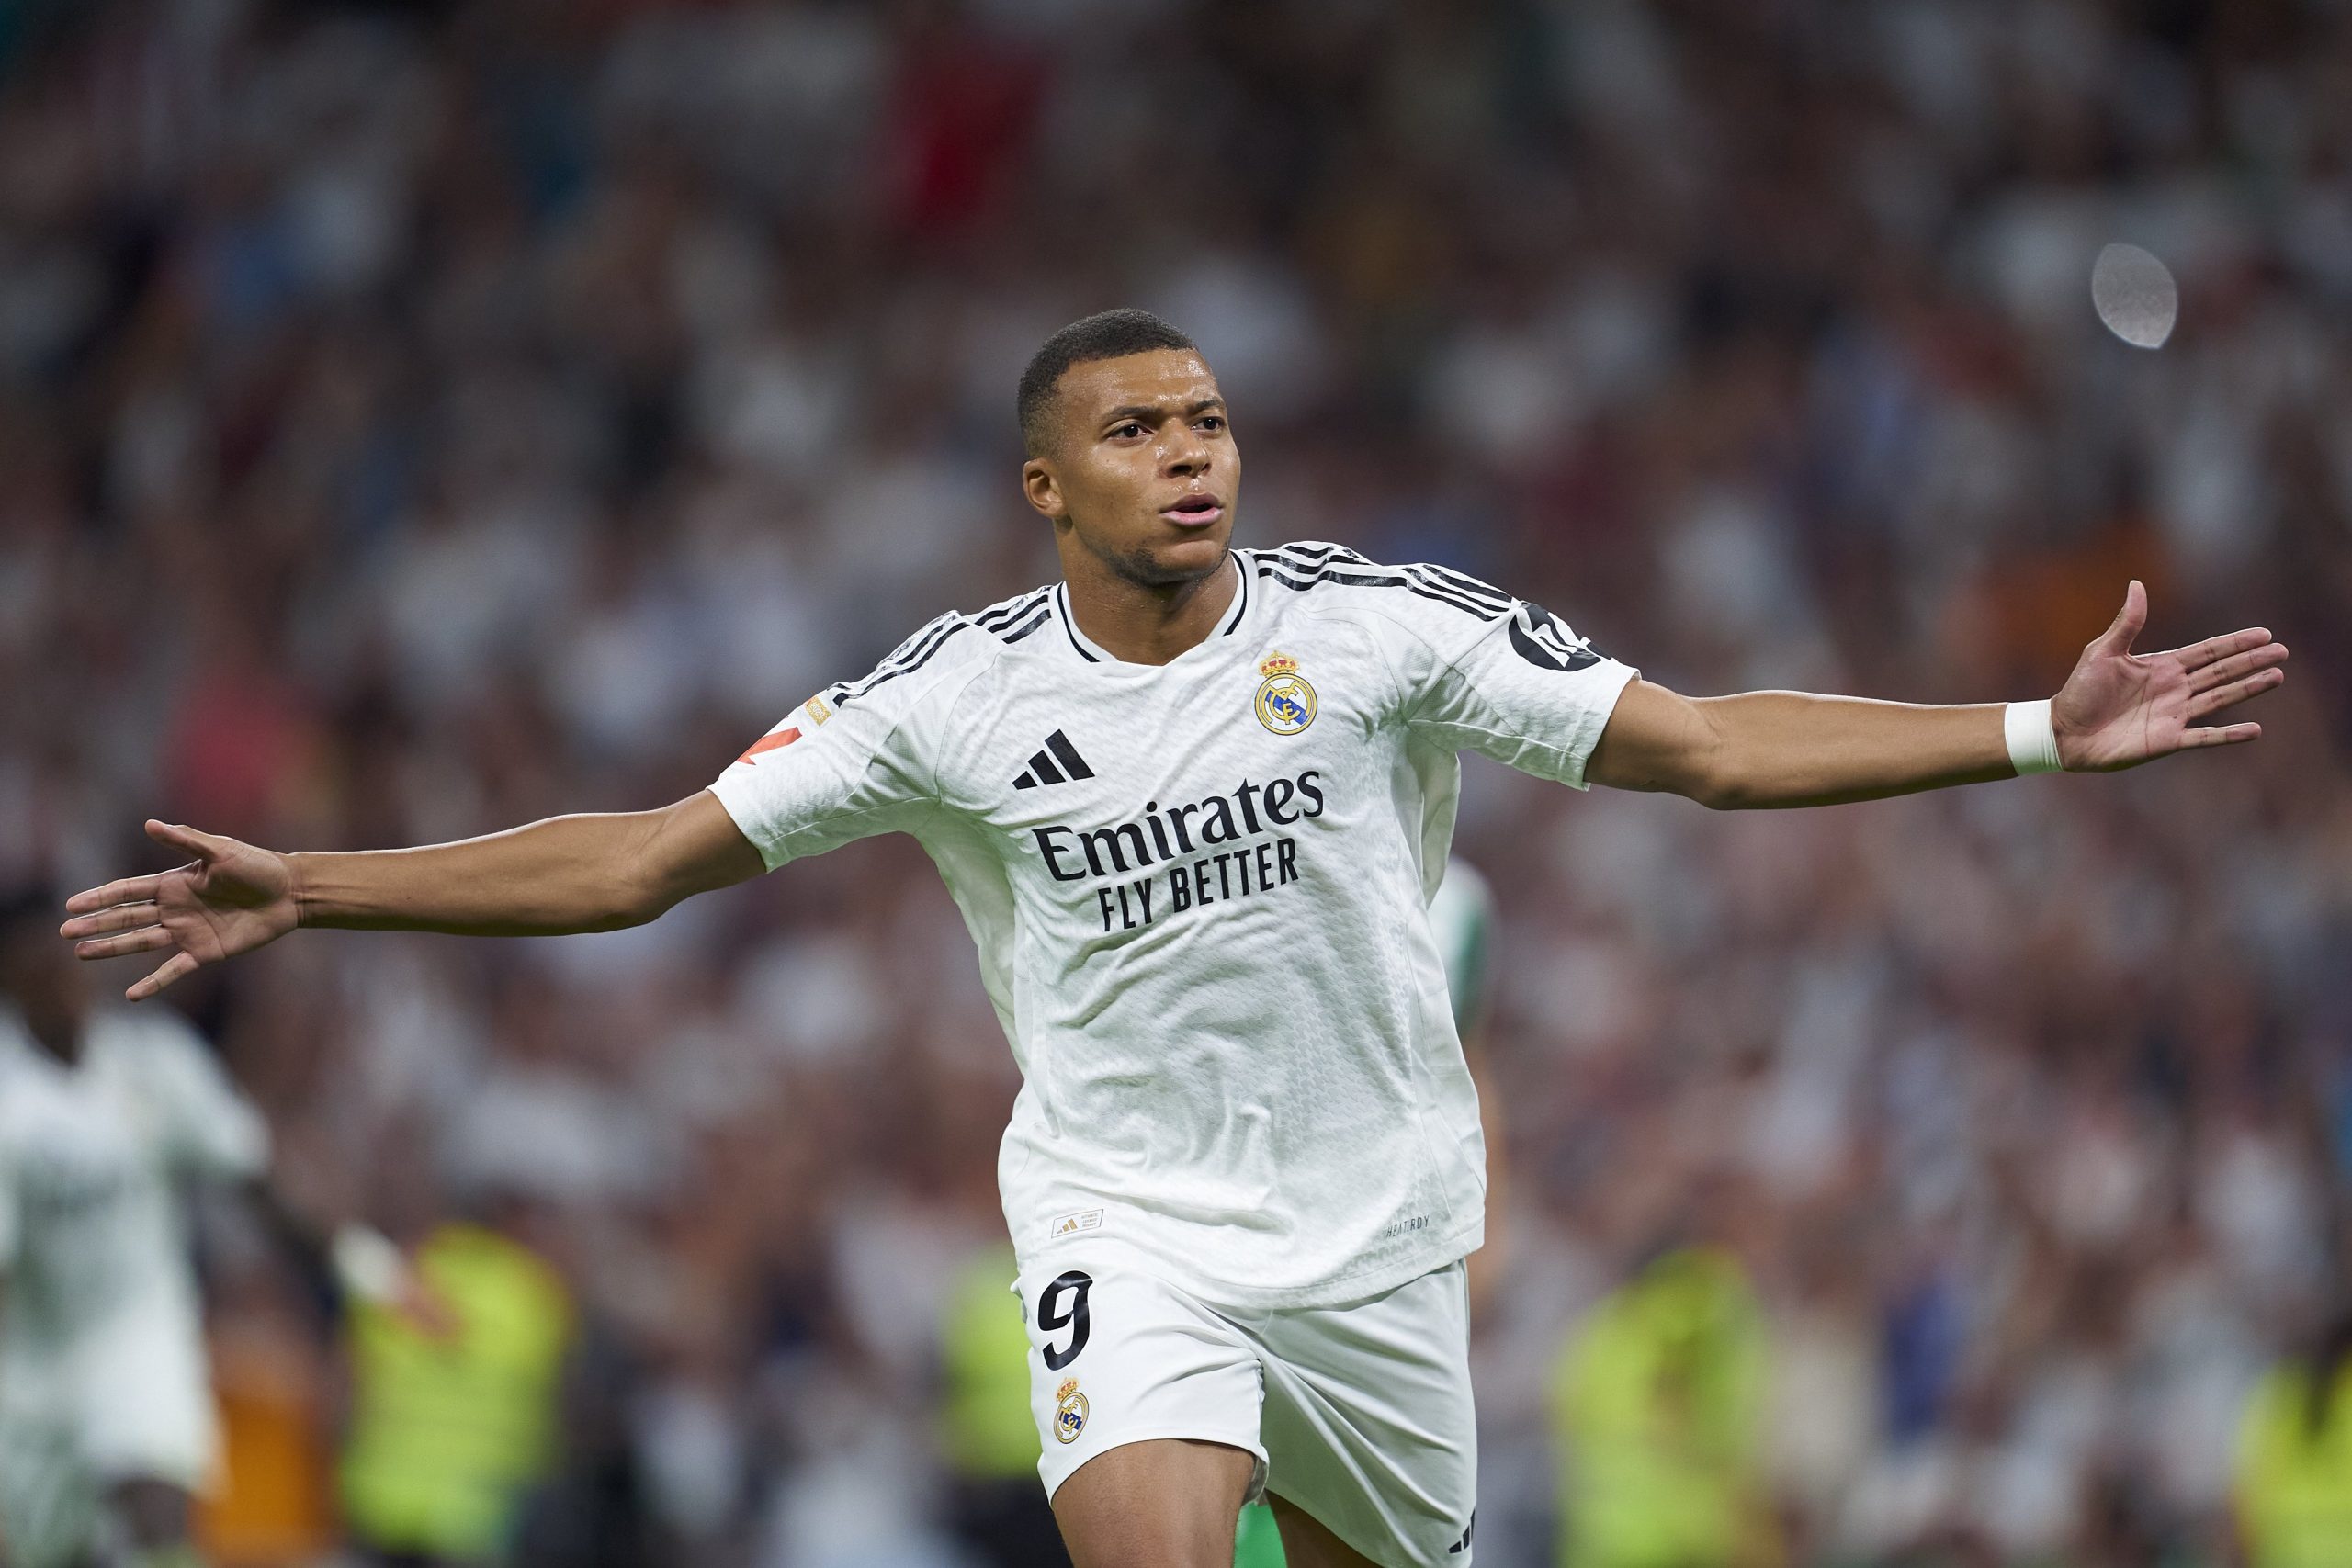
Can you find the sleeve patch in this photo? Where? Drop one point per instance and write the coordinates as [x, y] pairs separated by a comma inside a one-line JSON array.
[[1544, 640], [784, 737]]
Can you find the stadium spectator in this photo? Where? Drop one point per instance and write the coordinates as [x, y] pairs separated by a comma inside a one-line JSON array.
[[1661, 1402], [452, 1424], [2294, 1472]]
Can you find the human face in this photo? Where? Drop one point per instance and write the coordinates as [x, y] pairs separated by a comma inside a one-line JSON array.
[[1143, 473], [40, 974]]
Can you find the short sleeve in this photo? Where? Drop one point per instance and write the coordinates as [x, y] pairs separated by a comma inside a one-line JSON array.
[[1479, 670], [853, 761], [209, 1129]]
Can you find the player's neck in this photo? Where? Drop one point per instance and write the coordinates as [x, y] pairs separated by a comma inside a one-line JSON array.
[[59, 1039], [1145, 622]]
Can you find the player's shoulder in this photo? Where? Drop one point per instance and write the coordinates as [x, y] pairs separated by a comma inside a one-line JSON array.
[[1329, 578], [152, 1045], [1010, 622], [945, 651]]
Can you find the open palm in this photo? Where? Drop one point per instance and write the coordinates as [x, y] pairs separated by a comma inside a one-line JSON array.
[[2119, 708], [232, 899]]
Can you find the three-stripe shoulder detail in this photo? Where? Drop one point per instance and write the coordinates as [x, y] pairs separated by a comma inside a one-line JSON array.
[[1008, 622], [909, 657], [1016, 617], [1304, 568]]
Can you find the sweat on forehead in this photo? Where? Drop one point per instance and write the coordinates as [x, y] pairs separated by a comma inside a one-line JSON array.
[[1112, 334]]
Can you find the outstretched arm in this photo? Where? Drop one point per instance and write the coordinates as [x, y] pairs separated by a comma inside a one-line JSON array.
[[550, 879], [1779, 749]]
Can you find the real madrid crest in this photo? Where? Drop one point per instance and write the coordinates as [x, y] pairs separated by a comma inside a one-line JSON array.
[[1285, 702], [1069, 1412]]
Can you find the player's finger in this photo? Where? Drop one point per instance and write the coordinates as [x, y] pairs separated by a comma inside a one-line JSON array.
[[2219, 735], [146, 939], [128, 890], [121, 918], [179, 966], [205, 847], [2118, 637], [2236, 692], [2221, 671], [2198, 655]]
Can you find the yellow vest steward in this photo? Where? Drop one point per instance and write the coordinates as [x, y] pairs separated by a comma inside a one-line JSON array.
[[445, 1436]]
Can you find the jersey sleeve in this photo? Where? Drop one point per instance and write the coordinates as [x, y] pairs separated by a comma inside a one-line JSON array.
[[1479, 670], [854, 760], [211, 1130]]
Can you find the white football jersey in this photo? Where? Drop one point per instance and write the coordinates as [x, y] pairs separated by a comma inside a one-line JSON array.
[[91, 1225], [1199, 893]]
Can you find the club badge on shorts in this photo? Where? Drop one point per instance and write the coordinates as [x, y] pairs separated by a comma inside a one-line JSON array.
[[1285, 702], [1069, 1412]]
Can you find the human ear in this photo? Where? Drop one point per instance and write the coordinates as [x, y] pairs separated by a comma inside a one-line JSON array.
[[1042, 489]]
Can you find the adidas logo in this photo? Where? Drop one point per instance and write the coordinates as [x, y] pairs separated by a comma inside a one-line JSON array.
[[1043, 770]]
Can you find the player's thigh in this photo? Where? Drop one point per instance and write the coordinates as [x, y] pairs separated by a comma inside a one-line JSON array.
[[1161, 1502], [1306, 1544], [1119, 1358]]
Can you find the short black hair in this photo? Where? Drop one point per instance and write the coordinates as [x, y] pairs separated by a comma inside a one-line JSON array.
[[1108, 334]]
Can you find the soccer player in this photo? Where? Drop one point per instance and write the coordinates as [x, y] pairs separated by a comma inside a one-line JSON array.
[[107, 1116], [1191, 799], [106, 1415]]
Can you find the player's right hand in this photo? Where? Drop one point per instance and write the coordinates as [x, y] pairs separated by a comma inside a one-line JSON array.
[[232, 899]]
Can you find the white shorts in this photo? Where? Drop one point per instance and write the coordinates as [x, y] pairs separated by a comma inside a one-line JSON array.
[[1359, 1415], [127, 1399]]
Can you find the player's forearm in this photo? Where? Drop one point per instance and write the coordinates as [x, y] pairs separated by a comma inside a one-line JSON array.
[[1785, 749], [554, 878]]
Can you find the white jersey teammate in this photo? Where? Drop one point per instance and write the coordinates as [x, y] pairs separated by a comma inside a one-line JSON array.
[[1193, 801], [106, 1117]]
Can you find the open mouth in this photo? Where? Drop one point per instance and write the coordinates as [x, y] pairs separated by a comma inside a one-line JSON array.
[[1194, 510]]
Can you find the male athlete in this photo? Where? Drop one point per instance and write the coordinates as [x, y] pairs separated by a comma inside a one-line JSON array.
[[1191, 801], [106, 1428], [106, 1410]]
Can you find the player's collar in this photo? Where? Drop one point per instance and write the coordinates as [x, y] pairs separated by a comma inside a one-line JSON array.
[[1093, 652]]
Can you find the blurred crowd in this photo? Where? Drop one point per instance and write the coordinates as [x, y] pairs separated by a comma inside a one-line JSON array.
[[420, 418]]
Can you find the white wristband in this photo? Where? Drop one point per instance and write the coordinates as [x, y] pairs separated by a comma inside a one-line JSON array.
[[2033, 740], [368, 1265]]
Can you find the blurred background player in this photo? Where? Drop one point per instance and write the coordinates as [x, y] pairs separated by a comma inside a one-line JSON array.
[[107, 1425], [109, 1118]]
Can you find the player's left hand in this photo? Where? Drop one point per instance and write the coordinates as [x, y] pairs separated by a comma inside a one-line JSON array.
[[2121, 708]]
